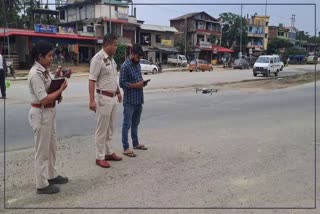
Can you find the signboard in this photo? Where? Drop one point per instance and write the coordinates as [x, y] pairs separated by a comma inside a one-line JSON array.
[[205, 45], [250, 51], [122, 16], [215, 50], [80, 33], [41, 28], [166, 42], [66, 30]]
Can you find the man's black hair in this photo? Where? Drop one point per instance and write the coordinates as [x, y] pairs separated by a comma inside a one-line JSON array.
[[109, 38], [137, 49]]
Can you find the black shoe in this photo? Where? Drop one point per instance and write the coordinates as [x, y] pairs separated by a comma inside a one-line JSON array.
[[51, 189], [59, 180]]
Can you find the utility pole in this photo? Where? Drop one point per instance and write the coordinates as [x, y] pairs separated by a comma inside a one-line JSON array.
[[185, 36], [265, 9], [5, 28], [240, 54], [110, 29], [265, 26]]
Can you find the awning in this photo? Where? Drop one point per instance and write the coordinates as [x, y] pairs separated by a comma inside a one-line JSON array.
[[17, 32], [171, 49], [221, 49]]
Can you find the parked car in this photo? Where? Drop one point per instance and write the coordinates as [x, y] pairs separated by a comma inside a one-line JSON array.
[[267, 64], [241, 64], [251, 60], [312, 60], [180, 60], [148, 67], [202, 65]]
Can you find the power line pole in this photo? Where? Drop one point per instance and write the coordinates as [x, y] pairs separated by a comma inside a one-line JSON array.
[[240, 55], [110, 30], [265, 26], [185, 36]]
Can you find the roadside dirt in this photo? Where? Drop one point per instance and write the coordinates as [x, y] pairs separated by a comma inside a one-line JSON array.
[[271, 84]]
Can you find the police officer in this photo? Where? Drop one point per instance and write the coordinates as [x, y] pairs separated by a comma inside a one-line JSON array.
[[104, 95], [42, 118]]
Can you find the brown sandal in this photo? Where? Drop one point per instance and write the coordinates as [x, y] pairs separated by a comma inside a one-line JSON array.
[[130, 154], [141, 147]]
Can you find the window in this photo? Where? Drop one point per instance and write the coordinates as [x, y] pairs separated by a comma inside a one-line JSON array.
[[267, 23], [200, 25], [265, 36], [145, 39], [62, 15], [158, 39], [90, 29]]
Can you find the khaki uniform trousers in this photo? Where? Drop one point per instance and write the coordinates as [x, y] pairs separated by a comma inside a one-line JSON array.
[[106, 111], [43, 123]]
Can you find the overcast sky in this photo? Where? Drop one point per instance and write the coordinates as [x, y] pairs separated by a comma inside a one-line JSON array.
[[161, 14]]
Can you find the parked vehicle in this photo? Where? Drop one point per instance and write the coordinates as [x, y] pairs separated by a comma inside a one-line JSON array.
[[251, 60], [201, 65], [148, 67], [241, 64], [267, 65], [312, 59], [179, 60]]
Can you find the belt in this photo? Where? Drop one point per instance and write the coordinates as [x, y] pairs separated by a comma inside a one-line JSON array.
[[107, 93], [38, 105]]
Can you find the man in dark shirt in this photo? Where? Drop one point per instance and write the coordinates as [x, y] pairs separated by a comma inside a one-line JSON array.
[[132, 83]]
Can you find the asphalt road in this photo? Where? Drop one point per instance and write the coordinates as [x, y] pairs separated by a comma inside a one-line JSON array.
[[230, 149], [78, 121]]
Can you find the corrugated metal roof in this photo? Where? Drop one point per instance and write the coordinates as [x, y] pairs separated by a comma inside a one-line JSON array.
[[189, 15], [186, 16], [158, 28]]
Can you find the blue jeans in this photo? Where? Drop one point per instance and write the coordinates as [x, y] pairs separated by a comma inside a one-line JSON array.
[[131, 119]]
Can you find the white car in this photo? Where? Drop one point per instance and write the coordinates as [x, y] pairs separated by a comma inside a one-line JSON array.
[[148, 67], [267, 64]]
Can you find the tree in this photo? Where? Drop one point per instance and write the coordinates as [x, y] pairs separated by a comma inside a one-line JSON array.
[[120, 54], [295, 51], [231, 30], [213, 39], [9, 13], [276, 44]]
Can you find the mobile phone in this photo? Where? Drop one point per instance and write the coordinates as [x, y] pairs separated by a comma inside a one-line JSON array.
[[146, 82]]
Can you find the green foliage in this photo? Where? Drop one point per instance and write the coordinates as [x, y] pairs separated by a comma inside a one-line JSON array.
[[9, 12], [295, 51], [120, 54], [231, 31], [276, 44], [212, 39]]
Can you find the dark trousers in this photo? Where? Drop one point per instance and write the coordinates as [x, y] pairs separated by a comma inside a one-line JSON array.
[[3, 82]]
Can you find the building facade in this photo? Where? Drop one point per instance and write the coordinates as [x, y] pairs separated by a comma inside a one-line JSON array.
[[95, 17], [197, 33], [258, 33], [157, 42]]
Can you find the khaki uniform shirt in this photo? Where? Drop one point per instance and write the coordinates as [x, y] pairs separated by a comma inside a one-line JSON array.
[[39, 82], [103, 70]]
